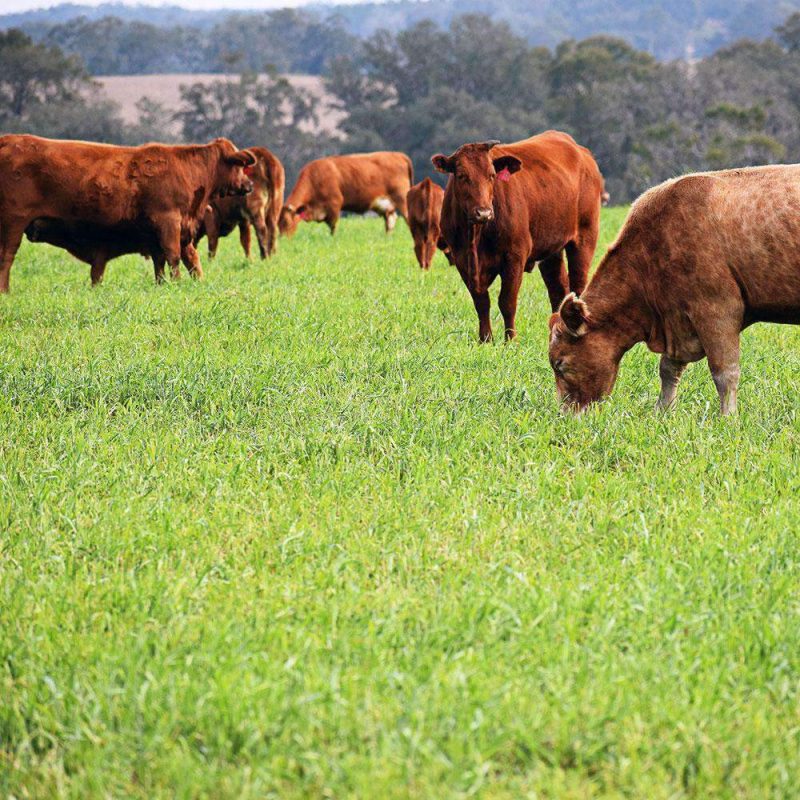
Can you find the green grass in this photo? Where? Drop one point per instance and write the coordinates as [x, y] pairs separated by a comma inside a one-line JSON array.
[[292, 533]]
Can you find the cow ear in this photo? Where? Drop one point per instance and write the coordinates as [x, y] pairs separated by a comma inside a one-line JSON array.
[[442, 163], [575, 315], [241, 158], [510, 163]]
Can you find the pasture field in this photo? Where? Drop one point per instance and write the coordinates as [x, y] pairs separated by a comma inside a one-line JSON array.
[[293, 533]]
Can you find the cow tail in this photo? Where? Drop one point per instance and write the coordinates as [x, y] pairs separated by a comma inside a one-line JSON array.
[[410, 171]]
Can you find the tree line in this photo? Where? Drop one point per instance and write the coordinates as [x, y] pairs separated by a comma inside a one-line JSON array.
[[288, 39], [429, 89], [114, 39]]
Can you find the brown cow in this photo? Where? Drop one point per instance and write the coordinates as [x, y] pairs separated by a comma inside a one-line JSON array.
[[261, 208], [698, 259], [358, 183], [97, 245], [507, 207], [161, 189], [424, 210]]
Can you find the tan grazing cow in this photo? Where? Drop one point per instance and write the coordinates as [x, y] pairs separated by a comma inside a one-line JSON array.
[[424, 211], [358, 183], [698, 259], [157, 192]]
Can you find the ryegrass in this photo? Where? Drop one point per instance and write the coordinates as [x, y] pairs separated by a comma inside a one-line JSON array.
[[292, 533]]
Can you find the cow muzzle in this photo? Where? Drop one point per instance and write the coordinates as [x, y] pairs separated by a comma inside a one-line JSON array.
[[243, 188], [480, 216]]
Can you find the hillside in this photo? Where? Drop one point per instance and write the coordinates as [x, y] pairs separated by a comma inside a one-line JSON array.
[[684, 28]]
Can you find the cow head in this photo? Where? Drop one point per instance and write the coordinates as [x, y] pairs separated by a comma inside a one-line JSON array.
[[290, 218], [233, 164], [584, 356], [475, 173]]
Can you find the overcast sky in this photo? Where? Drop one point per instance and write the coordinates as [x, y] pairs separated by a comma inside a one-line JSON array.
[[7, 6]]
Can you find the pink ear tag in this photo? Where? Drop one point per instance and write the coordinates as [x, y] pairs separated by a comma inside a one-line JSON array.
[[304, 215], [504, 175]]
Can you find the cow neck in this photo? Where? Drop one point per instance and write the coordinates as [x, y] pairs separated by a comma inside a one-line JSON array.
[[616, 303], [209, 155]]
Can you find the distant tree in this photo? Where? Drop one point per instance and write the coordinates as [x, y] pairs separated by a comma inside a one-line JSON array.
[[33, 74], [45, 92], [155, 124], [428, 89], [112, 46], [289, 39], [789, 33], [261, 110]]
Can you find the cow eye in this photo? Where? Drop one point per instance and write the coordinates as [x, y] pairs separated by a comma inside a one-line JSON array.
[[462, 177]]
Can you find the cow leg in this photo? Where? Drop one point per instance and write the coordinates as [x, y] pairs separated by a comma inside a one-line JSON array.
[[390, 220], [431, 252], [10, 239], [482, 305], [670, 371], [419, 252], [244, 237], [509, 292], [423, 254], [272, 233], [191, 260], [158, 267], [554, 275], [723, 361], [262, 235], [211, 225], [168, 231], [579, 257], [718, 329], [98, 269], [332, 220]]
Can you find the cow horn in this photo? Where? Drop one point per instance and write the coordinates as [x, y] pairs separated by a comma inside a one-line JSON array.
[[488, 145], [290, 207]]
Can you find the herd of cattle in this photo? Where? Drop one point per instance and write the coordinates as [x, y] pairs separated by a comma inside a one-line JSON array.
[[698, 259]]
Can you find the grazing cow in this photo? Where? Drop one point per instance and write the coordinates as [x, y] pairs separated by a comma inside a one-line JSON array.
[[357, 183], [97, 245], [424, 210], [261, 208], [698, 259], [161, 190], [507, 207]]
